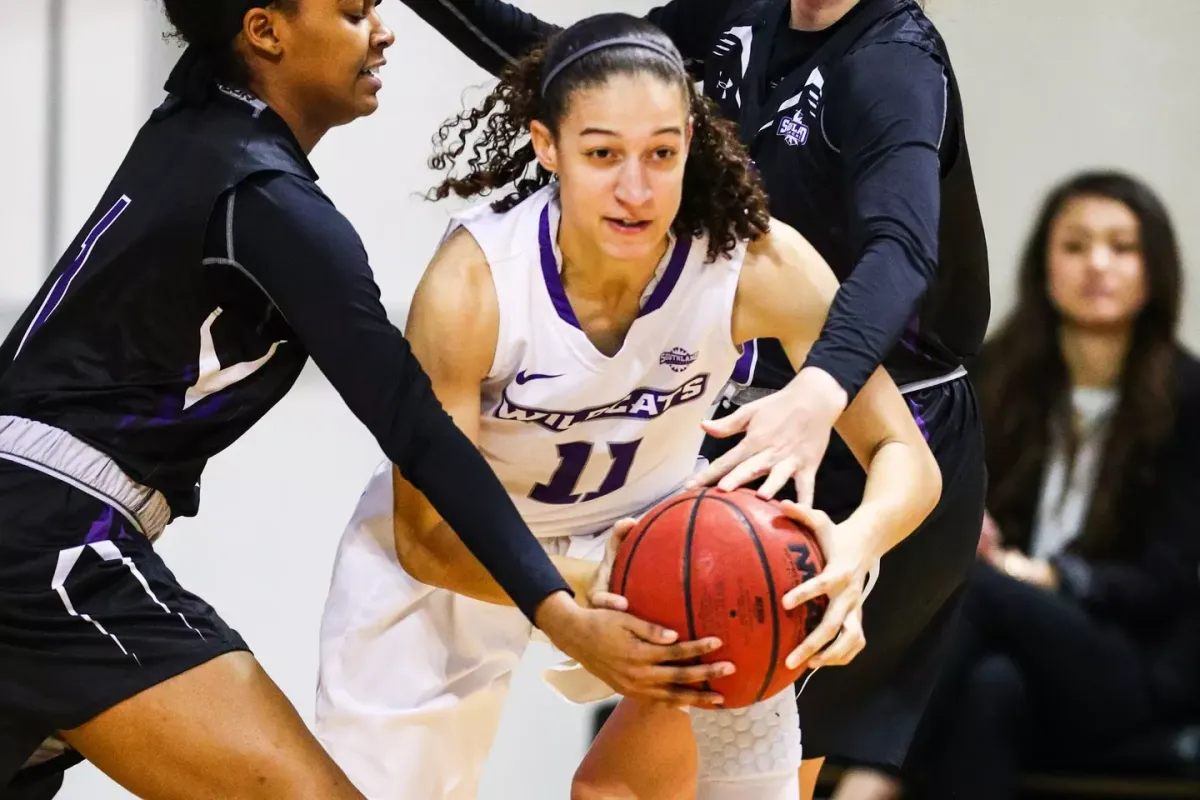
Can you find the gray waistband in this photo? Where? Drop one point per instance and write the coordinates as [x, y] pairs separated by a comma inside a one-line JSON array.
[[60, 455], [741, 395]]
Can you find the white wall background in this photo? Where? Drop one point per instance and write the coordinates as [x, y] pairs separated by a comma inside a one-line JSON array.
[[1050, 86]]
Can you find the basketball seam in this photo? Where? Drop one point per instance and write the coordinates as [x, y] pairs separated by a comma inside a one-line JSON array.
[[641, 534], [687, 573], [762, 554]]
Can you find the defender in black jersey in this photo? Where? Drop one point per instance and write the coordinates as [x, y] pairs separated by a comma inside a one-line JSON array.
[[851, 113], [211, 270]]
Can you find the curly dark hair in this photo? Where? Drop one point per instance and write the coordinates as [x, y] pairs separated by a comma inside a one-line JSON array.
[[1024, 388], [723, 198]]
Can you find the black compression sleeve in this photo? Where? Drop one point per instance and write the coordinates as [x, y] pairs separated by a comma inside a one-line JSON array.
[[493, 33], [311, 263], [886, 113], [489, 32]]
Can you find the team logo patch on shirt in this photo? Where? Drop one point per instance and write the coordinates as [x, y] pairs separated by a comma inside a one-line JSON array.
[[643, 403], [793, 130], [677, 359]]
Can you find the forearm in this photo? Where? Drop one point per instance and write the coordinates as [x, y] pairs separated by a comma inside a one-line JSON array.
[[489, 32], [870, 313], [439, 558], [903, 486]]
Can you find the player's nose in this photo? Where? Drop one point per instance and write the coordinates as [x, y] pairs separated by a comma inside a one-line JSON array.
[[633, 185]]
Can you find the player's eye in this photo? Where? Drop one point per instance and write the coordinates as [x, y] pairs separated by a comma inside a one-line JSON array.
[[601, 153]]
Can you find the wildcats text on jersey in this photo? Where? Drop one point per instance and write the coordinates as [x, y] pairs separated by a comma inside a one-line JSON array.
[[641, 403]]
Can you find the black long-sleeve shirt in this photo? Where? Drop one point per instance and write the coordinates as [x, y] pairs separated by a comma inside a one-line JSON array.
[[192, 299], [877, 216]]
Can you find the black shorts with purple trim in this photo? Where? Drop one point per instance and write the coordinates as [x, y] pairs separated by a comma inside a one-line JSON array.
[[89, 616]]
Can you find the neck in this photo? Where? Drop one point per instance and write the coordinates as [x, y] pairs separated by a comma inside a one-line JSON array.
[[589, 273], [1095, 358], [307, 133], [817, 15]]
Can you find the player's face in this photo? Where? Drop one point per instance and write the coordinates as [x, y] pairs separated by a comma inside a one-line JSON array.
[[331, 54], [1095, 271], [620, 156]]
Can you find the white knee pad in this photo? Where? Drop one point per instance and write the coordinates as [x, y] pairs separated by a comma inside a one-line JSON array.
[[749, 753]]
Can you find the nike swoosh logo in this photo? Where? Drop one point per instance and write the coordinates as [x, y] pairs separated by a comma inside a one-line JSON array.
[[523, 378]]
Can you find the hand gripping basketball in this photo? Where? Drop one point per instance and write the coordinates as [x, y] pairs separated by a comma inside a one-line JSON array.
[[600, 596], [713, 563], [843, 581]]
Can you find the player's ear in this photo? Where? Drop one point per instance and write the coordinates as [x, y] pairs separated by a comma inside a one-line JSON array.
[[260, 26], [543, 145]]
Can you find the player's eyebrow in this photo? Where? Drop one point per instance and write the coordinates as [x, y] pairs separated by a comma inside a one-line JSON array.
[[675, 129]]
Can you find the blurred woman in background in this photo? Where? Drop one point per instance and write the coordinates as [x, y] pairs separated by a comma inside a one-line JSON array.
[[1079, 627]]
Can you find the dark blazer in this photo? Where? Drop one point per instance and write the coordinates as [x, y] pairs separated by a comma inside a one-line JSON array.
[[1154, 595]]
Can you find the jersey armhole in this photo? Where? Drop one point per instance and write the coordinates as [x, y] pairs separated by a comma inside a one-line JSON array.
[[502, 321], [735, 262]]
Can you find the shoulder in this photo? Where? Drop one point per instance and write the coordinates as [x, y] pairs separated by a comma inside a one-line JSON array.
[[781, 248], [783, 277], [456, 290], [287, 210], [888, 65]]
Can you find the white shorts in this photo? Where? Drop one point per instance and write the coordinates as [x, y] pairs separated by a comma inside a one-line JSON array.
[[413, 678]]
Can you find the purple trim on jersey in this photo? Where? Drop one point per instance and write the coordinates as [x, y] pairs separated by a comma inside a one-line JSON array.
[[558, 295], [916, 410], [743, 369], [670, 277], [101, 530], [60, 286]]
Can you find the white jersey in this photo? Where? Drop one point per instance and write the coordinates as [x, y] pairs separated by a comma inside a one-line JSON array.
[[578, 438]]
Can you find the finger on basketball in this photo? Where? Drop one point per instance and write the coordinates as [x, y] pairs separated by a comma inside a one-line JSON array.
[[686, 651], [745, 472], [806, 515], [717, 468], [649, 632], [620, 530], [727, 425], [777, 478], [822, 635], [848, 644], [821, 584], [609, 601], [681, 696], [806, 478], [684, 675]]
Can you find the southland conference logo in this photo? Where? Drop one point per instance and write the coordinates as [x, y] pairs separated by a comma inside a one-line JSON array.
[[677, 359]]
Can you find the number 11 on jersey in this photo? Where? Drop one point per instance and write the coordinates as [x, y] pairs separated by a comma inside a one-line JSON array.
[[573, 458]]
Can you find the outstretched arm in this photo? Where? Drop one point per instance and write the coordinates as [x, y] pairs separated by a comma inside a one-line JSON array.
[[493, 33], [309, 261], [784, 293]]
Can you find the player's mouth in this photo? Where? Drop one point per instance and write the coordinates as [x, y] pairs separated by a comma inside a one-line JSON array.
[[627, 226], [371, 73]]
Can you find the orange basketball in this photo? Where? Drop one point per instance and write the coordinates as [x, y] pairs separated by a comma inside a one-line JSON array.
[[711, 563]]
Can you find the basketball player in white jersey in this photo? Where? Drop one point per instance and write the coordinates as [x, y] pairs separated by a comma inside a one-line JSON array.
[[578, 331]]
